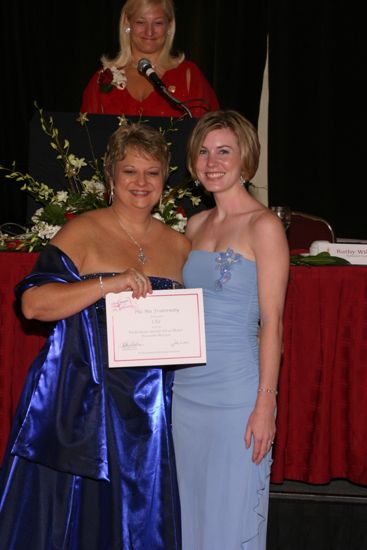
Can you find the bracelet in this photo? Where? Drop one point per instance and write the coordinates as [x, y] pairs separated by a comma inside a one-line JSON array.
[[268, 390], [101, 286]]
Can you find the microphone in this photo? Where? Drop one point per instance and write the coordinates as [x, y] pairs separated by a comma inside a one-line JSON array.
[[145, 68]]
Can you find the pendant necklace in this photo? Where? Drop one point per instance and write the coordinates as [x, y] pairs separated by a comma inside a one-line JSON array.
[[141, 254]]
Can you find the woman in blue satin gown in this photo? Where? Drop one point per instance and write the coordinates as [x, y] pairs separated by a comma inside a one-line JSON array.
[[90, 462], [224, 411]]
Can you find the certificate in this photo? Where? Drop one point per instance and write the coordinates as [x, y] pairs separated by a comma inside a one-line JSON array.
[[165, 328]]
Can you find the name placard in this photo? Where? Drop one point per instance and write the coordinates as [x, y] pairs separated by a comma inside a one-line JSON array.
[[165, 328], [354, 253]]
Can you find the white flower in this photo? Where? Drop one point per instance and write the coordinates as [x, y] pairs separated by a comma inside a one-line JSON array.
[[119, 78], [93, 186], [37, 214], [179, 221], [44, 230], [122, 120], [180, 224], [61, 196], [3, 238], [195, 200], [76, 162]]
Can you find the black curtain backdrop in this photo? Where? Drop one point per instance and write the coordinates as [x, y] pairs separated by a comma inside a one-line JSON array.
[[317, 66], [317, 111]]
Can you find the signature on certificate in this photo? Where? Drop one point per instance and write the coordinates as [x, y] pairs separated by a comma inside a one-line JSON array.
[[130, 345], [123, 303], [180, 343]]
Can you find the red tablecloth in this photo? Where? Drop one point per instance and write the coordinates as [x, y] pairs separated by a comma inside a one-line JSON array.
[[322, 405], [20, 340]]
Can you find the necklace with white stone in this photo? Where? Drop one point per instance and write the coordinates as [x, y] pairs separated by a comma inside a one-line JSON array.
[[141, 254]]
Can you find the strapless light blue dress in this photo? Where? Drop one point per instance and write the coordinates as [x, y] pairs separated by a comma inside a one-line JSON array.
[[224, 495], [90, 461]]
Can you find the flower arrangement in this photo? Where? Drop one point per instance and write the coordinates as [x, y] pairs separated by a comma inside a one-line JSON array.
[[80, 195], [110, 77], [172, 214]]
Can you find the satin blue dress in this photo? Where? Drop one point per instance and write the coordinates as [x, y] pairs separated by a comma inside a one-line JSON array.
[[90, 461], [224, 495]]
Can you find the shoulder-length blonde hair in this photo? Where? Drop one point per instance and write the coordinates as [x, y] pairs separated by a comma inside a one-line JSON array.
[[166, 60], [244, 131]]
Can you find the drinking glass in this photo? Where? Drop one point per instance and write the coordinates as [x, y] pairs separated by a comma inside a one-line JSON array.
[[284, 213]]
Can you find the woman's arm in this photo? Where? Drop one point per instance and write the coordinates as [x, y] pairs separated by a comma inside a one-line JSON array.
[[54, 301], [58, 300], [272, 261]]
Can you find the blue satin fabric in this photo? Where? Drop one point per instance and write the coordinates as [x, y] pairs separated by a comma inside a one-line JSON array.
[[90, 462]]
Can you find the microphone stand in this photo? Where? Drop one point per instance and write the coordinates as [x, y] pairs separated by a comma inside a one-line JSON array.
[[145, 68], [182, 105]]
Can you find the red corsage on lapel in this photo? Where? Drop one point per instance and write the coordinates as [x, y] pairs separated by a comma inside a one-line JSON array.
[[111, 77]]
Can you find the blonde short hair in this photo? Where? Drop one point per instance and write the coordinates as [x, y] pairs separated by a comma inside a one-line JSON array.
[[140, 137], [242, 128]]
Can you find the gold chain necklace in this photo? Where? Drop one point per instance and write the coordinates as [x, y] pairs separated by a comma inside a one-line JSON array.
[[141, 254]]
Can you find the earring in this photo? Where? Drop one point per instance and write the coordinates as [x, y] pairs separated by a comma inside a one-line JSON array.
[[127, 30], [111, 195], [242, 180], [197, 183], [169, 32]]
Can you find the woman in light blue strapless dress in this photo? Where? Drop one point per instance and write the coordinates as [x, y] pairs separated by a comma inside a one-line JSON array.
[[224, 411]]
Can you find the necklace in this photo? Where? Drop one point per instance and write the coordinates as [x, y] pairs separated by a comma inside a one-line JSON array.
[[141, 254]]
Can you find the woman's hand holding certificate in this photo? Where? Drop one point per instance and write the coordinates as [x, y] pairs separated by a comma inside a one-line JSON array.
[[165, 328]]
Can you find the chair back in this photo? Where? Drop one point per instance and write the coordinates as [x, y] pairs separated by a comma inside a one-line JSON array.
[[307, 228]]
